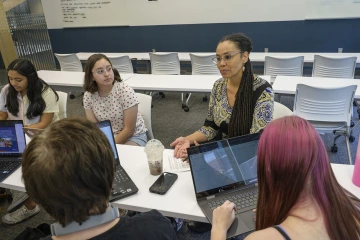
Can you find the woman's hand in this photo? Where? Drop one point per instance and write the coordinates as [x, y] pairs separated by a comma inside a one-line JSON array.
[[223, 217], [180, 144]]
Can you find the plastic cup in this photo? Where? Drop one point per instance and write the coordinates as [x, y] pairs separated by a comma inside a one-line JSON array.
[[154, 151]]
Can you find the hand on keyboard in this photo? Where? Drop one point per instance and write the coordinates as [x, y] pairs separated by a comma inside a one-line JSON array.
[[223, 216]]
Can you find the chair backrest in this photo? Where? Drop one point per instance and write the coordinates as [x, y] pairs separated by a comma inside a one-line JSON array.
[[334, 67], [203, 65], [122, 64], [165, 64], [283, 66], [145, 109], [324, 104], [62, 104], [69, 62], [281, 111]]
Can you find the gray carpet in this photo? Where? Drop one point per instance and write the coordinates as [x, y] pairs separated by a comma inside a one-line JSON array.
[[169, 121]]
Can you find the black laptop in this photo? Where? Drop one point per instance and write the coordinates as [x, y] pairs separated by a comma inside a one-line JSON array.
[[123, 186], [227, 170], [12, 145]]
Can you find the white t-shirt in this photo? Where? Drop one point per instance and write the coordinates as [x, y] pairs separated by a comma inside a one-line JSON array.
[[49, 97], [112, 107]]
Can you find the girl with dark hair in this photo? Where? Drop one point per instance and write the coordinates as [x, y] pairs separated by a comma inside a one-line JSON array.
[[240, 103], [27, 98], [299, 196], [108, 98]]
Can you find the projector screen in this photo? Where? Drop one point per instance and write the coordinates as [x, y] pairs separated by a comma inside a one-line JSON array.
[[331, 9]]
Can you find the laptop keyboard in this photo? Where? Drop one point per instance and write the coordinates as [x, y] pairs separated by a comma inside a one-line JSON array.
[[120, 176], [8, 166], [242, 201]]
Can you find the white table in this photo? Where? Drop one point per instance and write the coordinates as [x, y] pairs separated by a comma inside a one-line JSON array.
[[285, 85], [176, 83], [180, 200], [69, 81], [258, 57]]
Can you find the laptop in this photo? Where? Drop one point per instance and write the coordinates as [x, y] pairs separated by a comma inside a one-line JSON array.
[[32, 132], [122, 186], [227, 170], [12, 145]]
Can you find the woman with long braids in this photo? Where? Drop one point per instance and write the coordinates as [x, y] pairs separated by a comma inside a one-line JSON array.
[[240, 103], [27, 98]]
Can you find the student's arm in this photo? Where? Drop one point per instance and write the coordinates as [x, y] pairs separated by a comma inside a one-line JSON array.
[[3, 110], [3, 115], [45, 120], [130, 117], [90, 115], [223, 217]]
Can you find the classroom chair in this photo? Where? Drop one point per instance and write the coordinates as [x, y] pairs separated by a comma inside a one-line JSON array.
[[334, 67], [202, 65], [144, 108], [122, 64], [281, 111], [71, 63], [165, 64], [292, 66], [329, 110]]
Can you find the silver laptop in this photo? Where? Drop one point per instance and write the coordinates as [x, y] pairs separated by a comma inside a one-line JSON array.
[[12, 145], [227, 170]]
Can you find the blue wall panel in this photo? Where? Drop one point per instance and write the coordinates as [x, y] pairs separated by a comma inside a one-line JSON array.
[[286, 36]]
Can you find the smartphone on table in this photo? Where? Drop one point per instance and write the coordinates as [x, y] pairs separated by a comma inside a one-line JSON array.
[[163, 183]]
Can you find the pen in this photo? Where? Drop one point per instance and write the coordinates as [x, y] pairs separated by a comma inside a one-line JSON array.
[[186, 159]]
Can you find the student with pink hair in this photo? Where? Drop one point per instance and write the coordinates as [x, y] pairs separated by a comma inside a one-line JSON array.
[[299, 196]]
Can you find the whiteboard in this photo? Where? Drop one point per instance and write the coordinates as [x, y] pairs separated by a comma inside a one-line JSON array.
[[93, 13], [329, 9]]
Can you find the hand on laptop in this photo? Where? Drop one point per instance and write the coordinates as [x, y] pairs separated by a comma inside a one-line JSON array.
[[223, 217], [180, 144]]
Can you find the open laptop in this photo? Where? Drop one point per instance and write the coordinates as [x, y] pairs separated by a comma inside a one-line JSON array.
[[227, 170], [122, 186], [12, 145]]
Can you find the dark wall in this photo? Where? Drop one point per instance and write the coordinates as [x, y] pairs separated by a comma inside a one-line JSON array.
[[286, 36]]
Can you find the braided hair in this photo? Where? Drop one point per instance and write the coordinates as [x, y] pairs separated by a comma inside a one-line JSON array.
[[243, 110]]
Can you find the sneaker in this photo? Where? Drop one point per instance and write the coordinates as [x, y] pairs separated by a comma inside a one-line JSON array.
[[20, 215], [18, 199]]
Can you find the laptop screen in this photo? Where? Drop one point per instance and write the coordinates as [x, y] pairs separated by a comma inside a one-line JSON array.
[[224, 165], [12, 138], [105, 127]]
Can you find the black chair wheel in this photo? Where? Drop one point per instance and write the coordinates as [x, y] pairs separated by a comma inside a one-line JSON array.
[[186, 109], [205, 98], [334, 149], [352, 124], [162, 94], [152, 106], [186, 95], [72, 96], [183, 106], [351, 139]]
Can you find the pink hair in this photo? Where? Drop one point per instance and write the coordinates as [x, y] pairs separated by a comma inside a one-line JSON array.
[[293, 164]]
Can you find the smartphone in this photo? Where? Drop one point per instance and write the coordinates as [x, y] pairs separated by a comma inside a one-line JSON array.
[[163, 183]]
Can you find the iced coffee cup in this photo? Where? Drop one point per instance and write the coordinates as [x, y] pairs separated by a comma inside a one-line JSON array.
[[154, 152]]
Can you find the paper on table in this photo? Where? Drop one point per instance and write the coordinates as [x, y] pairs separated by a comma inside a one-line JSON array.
[[173, 164]]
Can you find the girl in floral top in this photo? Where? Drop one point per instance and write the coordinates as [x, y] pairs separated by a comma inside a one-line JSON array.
[[108, 98], [240, 103]]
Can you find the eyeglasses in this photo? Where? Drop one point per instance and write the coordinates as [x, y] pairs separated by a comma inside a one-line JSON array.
[[227, 57], [102, 71]]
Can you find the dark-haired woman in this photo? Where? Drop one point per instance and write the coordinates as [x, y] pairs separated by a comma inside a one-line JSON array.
[[108, 98], [27, 98], [240, 103]]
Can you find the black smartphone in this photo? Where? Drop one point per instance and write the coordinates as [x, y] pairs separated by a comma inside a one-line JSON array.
[[163, 183]]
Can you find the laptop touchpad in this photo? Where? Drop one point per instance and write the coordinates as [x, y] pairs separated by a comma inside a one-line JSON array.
[[248, 218], [237, 227]]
